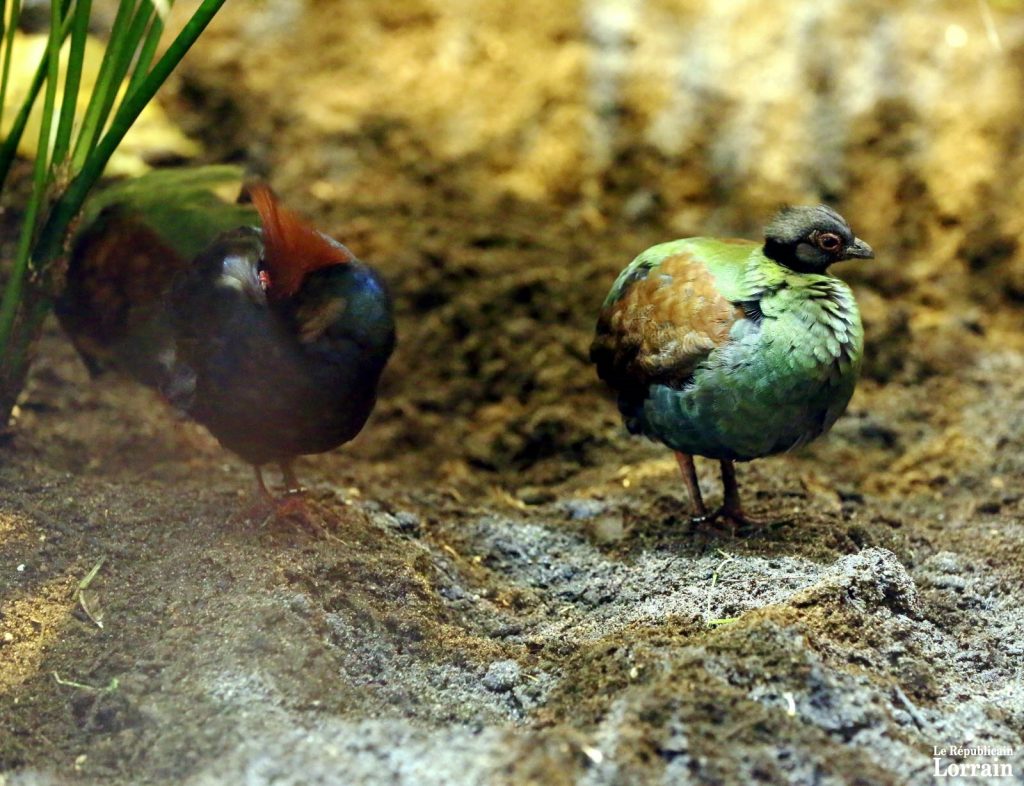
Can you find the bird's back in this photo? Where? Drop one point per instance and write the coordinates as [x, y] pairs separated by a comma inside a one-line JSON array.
[[716, 350], [274, 380], [137, 238], [666, 311]]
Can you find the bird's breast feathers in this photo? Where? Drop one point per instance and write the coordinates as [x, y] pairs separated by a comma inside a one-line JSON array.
[[812, 325], [716, 350], [722, 320]]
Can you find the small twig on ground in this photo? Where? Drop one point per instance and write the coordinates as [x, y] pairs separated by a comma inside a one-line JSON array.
[[505, 497], [83, 585], [711, 589], [915, 715], [452, 492], [112, 686]]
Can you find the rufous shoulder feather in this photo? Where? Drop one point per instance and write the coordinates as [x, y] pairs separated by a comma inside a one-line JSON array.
[[293, 248]]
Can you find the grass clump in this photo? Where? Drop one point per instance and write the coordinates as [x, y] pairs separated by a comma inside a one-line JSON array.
[[73, 147]]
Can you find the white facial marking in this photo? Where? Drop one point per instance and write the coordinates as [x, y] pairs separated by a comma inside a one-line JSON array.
[[238, 273], [167, 357]]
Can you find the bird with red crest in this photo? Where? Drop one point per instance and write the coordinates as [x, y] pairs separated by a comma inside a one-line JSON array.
[[266, 331]]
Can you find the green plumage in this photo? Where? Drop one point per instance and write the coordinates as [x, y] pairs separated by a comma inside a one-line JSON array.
[[778, 382], [134, 239], [779, 372], [181, 205], [733, 350]]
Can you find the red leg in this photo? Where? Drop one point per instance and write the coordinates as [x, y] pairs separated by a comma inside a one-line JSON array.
[[689, 472], [290, 481], [293, 507], [261, 486], [732, 509]]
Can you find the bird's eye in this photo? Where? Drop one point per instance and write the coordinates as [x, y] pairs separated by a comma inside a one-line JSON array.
[[829, 242]]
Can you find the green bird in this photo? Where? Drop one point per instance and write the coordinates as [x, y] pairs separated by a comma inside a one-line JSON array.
[[734, 350]]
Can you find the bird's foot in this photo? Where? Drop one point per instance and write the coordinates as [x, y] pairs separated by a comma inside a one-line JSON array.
[[741, 524], [295, 509], [731, 521]]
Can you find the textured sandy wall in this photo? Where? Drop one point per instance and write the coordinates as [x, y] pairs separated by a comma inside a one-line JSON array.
[[907, 113]]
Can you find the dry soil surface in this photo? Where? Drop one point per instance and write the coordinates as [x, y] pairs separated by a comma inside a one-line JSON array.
[[512, 591]]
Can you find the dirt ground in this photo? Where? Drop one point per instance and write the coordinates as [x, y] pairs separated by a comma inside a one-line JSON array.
[[516, 595]]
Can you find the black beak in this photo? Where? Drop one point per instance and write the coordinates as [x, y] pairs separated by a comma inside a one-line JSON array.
[[858, 249]]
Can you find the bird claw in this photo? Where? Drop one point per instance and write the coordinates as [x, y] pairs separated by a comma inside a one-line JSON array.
[[295, 509], [739, 523]]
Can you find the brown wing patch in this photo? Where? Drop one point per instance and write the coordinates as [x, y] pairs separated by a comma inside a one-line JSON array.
[[663, 326], [119, 273]]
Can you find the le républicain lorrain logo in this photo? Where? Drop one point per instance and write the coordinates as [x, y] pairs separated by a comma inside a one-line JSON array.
[[986, 764]]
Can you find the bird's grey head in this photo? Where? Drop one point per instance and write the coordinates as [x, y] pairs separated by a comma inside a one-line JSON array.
[[809, 239]]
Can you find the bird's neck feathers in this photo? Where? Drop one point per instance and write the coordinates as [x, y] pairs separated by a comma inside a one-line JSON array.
[[786, 255], [292, 248]]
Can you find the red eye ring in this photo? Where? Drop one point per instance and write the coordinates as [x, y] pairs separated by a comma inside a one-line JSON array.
[[830, 242]]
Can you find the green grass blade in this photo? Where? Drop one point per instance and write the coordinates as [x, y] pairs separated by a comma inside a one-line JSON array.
[[72, 79], [52, 236], [146, 53], [3, 60], [8, 44], [9, 148], [92, 123], [125, 53], [40, 180]]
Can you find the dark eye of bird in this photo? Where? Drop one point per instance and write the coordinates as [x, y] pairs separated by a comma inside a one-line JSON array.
[[829, 242]]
